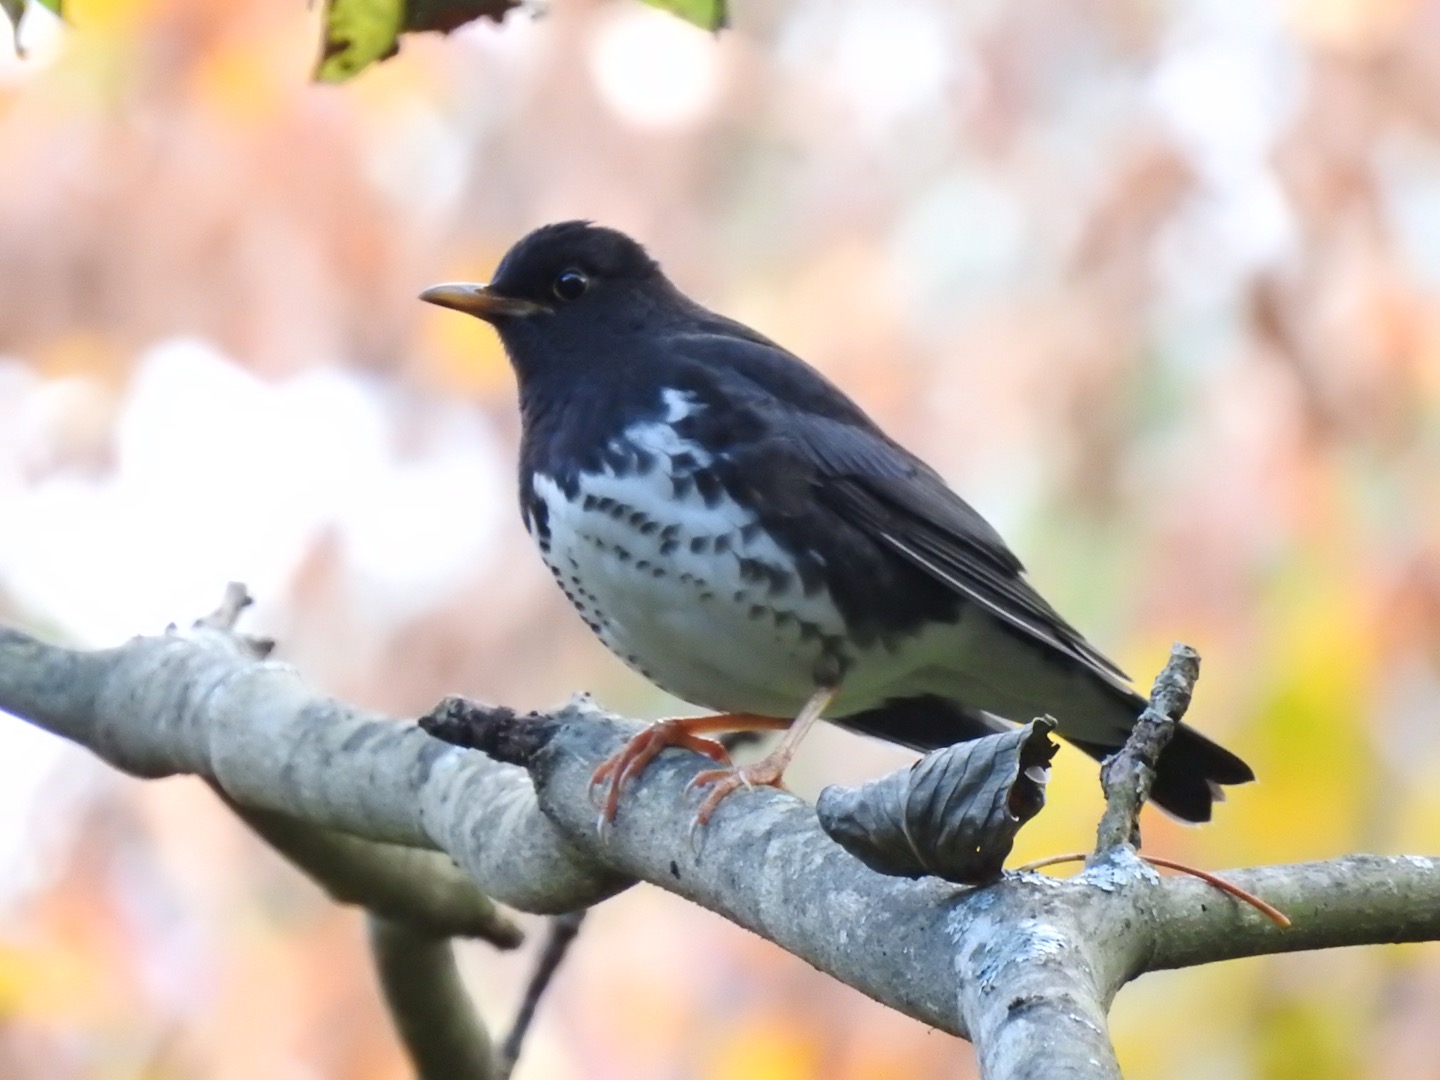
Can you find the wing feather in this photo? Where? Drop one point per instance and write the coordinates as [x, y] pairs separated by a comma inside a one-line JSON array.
[[881, 488]]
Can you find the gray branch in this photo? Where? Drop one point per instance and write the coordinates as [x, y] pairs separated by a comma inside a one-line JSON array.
[[429, 1005], [422, 889], [1127, 775], [1027, 967]]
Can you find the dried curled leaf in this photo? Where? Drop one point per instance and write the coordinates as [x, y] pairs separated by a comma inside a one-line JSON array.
[[953, 814]]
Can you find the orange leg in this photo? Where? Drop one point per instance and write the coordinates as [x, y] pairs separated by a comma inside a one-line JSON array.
[[769, 770], [633, 758]]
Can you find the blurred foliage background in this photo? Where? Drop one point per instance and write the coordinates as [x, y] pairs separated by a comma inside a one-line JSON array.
[[1153, 282]]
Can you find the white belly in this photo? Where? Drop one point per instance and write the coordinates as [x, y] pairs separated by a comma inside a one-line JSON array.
[[705, 605], [706, 608]]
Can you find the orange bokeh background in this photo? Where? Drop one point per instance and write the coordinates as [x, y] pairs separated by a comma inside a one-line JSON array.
[[1153, 284]]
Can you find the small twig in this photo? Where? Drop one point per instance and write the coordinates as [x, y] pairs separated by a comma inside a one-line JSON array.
[[1270, 911], [225, 617], [563, 929], [1127, 776], [1053, 860], [237, 598]]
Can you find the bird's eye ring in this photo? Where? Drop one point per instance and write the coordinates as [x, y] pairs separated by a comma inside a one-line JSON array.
[[570, 284]]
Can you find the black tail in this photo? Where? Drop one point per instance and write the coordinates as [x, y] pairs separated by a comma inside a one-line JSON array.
[[1188, 779], [1190, 773]]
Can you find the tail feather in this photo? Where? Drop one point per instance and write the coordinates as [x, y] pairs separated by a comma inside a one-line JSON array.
[[1190, 774], [1188, 778]]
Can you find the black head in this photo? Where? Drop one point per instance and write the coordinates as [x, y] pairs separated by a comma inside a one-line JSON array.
[[558, 276]]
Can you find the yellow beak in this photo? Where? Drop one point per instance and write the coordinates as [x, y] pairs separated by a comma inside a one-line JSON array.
[[479, 301]]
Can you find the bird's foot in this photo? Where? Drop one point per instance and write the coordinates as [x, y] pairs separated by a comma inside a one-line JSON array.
[[635, 756], [767, 772]]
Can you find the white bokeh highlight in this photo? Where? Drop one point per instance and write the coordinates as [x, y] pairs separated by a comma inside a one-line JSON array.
[[218, 476]]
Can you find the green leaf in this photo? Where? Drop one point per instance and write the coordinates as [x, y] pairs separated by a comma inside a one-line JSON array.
[[358, 33], [53, 5], [707, 14]]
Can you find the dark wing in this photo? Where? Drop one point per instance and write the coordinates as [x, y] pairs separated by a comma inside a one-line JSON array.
[[886, 491], [882, 489]]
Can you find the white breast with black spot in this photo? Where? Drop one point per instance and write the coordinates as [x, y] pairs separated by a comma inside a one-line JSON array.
[[691, 593], [694, 595]]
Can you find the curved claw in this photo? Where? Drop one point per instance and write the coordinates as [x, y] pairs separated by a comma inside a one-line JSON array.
[[725, 782], [635, 756]]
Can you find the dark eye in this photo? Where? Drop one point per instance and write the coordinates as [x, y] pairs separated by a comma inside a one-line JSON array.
[[571, 284]]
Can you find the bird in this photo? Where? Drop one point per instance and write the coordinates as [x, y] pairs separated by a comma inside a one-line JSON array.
[[739, 531]]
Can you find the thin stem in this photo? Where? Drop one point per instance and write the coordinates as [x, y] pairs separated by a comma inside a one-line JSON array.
[[563, 929]]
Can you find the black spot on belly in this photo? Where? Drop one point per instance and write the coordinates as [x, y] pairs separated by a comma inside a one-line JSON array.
[[812, 576], [722, 543], [699, 544], [750, 533], [667, 547], [753, 570], [537, 521], [709, 487]]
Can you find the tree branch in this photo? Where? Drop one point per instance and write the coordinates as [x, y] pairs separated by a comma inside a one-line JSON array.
[[422, 889], [195, 702], [431, 1010], [1353, 900], [1027, 965]]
